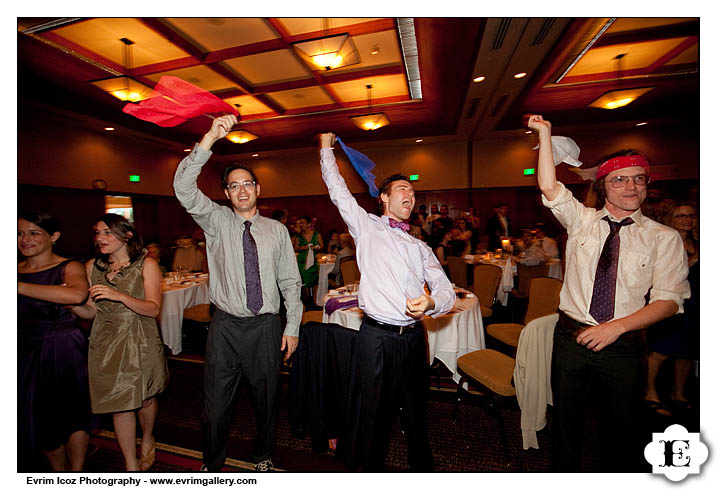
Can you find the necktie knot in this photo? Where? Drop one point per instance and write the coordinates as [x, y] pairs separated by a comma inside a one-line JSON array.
[[397, 224], [247, 224], [616, 226]]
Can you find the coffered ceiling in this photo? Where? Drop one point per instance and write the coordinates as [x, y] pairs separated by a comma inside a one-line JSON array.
[[421, 71]]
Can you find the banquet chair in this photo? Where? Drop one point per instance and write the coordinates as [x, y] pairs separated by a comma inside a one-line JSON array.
[[525, 275], [350, 271], [312, 316], [195, 326], [486, 282], [457, 271], [543, 300], [338, 281], [493, 371]]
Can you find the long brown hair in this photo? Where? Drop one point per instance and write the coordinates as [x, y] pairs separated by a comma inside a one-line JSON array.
[[125, 232]]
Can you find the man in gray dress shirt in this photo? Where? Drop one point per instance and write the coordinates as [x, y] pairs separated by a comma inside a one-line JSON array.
[[245, 337]]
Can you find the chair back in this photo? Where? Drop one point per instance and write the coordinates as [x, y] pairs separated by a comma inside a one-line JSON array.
[[457, 271], [528, 273], [486, 282], [543, 299], [350, 271]]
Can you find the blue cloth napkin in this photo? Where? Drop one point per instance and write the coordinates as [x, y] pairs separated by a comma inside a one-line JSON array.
[[363, 166]]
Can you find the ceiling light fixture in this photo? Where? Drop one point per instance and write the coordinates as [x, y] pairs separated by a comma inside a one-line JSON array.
[[619, 98], [329, 51], [641, 124], [375, 49], [479, 79], [520, 75], [240, 136], [123, 87], [419, 140], [371, 121], [109, 128]]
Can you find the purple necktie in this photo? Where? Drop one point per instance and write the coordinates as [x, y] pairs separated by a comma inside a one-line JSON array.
[[397, 224], [603, 299], [251, 271]]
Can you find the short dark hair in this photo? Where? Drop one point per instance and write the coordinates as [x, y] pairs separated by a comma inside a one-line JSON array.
[[43, 220], [386, 186], [125, 231], [233, 167]]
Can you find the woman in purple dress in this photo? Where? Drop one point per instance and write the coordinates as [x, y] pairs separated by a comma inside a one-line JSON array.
[[52, 389]]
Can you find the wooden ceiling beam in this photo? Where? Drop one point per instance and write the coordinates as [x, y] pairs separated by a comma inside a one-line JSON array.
[[658, 33]]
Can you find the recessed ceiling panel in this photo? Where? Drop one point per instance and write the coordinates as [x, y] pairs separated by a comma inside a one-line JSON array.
[[638, 55], [634, 23], [102, 36], [248, 105], [384, 42], [355, 90], [215, 33], [297, 26], [273, 66], [298, 98], [688, 56], [199, 75]]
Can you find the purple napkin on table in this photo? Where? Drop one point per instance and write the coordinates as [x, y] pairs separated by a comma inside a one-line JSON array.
[[340, 303]]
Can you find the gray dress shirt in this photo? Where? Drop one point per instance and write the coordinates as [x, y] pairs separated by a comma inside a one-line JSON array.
[[223, 229]]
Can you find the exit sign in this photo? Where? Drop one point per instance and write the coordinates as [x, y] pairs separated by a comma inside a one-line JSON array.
[[414, 177], [134, 178], [529, 172]]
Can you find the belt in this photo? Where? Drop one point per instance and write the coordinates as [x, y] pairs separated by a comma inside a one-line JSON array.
[[573, 328], [390, 327]]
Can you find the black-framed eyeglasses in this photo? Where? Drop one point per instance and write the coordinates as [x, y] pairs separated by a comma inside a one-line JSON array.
[[692, 216], [247, 185], [621, 181]]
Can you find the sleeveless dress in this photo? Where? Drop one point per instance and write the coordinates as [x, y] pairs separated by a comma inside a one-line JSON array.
[[310, 276], [126, 358], [53, 399]]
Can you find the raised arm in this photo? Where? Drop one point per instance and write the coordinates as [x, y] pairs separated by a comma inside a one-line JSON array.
[[190, 197], [546, 169], [353, 215], [72, 291]]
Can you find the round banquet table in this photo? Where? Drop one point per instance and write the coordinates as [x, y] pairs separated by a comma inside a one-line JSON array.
[[175, 298], [449, 336]]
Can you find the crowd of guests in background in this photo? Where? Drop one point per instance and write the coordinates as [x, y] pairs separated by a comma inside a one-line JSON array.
[[125, 272]]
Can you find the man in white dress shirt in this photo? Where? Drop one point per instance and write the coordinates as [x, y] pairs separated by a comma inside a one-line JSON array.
[[614, 257], [392, 369]]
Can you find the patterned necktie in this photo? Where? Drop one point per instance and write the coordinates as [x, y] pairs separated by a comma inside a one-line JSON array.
[[397, 224], [251, 271], [603, 299]]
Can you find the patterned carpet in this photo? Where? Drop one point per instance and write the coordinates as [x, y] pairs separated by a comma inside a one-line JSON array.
[[471, 444]]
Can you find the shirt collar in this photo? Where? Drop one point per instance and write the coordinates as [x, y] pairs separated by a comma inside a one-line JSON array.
[[253, 219], [637, 216]]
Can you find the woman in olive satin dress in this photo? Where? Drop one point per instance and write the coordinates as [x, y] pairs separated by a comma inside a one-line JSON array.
[[127, 364]]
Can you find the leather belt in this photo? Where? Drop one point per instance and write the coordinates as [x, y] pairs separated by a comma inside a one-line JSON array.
[[390, 327]]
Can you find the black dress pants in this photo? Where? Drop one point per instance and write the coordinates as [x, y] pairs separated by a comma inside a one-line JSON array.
[[392, 372], [240, 347], [612, 379]]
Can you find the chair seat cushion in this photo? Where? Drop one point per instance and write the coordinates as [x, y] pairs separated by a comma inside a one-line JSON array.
[[312, 316], [506, 333], [198, 313], [491, 369], [486, 312]]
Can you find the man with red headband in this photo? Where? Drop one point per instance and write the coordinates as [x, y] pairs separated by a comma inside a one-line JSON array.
[[614, 257]]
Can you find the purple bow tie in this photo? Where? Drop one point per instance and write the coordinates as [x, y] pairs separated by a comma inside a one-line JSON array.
[[397, 224]]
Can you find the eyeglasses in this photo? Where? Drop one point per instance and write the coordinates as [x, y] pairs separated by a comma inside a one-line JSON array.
[[692, 216], [247, 185], [621, 181]]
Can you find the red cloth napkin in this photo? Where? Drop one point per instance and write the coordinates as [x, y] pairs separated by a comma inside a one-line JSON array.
[[174, 101]]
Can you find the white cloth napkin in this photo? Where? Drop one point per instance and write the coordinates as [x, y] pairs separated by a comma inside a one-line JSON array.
[[508, 276], [310, 257], [564, 150]]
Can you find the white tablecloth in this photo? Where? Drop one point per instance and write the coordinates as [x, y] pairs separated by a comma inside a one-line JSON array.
[[449, 336], [174, 301], [323, 285]]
